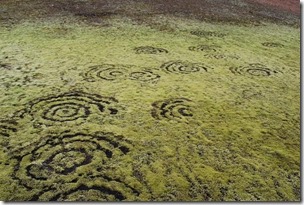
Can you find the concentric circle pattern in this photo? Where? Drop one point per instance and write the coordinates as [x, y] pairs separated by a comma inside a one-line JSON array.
[[183, 67], [87, 193], [97, 188], [273, 45], [149, 50], [107, 72], [207, 34], [144, 76], [173, 109], [221, 56], [65, 157], [150, 101], [255, 69], [206, 48], [71, 106]]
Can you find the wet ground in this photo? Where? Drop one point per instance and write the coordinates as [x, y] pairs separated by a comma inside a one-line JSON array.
[[150, 100]]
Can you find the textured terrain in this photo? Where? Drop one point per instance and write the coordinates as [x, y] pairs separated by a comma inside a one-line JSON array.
[[149, 100]]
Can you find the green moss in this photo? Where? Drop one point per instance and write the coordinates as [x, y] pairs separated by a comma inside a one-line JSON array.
[[239, 137]]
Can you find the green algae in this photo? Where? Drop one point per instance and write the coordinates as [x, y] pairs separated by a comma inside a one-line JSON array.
[[242, 141]]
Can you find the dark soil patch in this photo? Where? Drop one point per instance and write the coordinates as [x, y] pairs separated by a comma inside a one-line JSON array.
[[236, 12], [292, 6]]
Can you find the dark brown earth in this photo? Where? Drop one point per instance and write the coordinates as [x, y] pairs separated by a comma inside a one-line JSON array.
[[228, 11], [292, 6]]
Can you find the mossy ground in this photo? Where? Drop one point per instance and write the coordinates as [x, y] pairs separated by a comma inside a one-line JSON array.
[[241, 141]]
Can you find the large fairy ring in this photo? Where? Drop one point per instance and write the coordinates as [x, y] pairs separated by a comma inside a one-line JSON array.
[[173, 109], [99, 188], [207, 34], [144, 76], [273, 45], [205, 48], [183, 67], [70, 106], [149, 50], [65, 157], [254, 69], [109, 72]]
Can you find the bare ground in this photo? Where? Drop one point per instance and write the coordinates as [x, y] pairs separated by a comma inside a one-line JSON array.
[[230, 11]]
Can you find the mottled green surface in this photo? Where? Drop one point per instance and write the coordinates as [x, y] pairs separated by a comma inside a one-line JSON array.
[[228, 131]]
